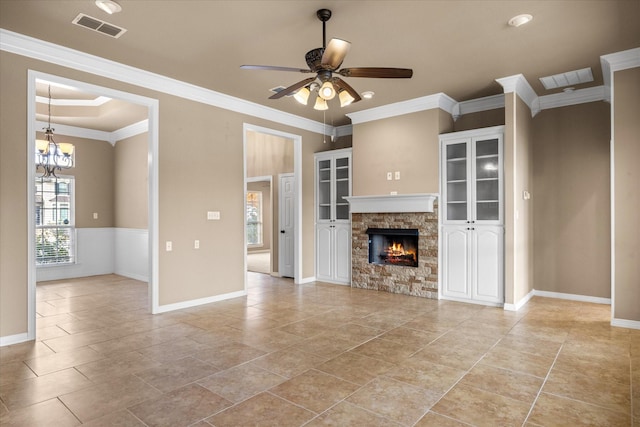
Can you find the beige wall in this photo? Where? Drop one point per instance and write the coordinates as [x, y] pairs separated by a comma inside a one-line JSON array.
[[572, 200], [93, 172], [518, 219], [131, 182], [190, 184], [626, 136], [481, 119], [408, 144]]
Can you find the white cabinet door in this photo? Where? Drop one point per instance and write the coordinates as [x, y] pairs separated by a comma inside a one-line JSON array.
[[342, 239], [456, 274], [487, 250], [324, 252]]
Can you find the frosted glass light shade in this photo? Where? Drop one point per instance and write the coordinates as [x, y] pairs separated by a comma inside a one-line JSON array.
[[327, 91], [302, 96], [321, 104]]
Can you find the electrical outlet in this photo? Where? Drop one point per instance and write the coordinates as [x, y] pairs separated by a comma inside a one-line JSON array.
[[397, 174], [196, 244], [389, 176], [394, 193], [213, 215], [169, 246]]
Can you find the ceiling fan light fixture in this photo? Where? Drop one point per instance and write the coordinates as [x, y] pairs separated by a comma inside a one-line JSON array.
[[109, 6], [321, 104], [345, 98], [519, 20], [327, 91], [302, 95]]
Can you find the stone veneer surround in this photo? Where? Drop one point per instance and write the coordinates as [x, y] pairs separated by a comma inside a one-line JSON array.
[[418, 281]]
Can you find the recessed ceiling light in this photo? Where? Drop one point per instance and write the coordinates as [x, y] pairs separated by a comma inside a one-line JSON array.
[[516, 21], [368, 94], [109, 6]]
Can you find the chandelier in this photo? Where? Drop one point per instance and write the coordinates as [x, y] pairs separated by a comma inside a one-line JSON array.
[[50, 155]]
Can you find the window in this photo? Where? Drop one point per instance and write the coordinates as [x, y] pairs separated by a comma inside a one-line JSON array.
[[254, 218], [54, 216]]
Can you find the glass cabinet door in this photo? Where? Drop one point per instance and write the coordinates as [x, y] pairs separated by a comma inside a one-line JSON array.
[[456, 168], [487, 177], [324, 189], [342, 188]]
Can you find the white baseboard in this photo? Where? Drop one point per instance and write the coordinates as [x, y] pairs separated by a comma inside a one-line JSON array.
[[572, 297], [200, 301], [306, 280], [624, 323], [14, 339], [517, 306], [470, 301]]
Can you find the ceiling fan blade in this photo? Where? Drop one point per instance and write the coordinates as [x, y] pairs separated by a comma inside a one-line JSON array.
[[377, 72], [341, 84], [291, 89], [273, 68], [334, 54]]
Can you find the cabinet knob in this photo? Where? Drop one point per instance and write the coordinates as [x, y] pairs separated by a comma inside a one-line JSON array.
[[282, 231]]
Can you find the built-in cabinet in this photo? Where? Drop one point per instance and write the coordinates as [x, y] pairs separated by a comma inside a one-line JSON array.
[[333, 219], [472, 215]]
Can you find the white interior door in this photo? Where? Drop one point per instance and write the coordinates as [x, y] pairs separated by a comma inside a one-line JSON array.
[[286, 241]]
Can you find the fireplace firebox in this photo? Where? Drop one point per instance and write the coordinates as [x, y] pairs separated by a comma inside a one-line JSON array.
[[393, 246]]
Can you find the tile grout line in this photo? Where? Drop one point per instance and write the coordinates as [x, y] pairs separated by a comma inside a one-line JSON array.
[[542, 386]]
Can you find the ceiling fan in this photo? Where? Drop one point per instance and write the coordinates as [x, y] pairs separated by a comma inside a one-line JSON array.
[[325, 61]]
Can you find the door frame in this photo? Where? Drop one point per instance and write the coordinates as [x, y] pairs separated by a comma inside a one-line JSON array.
[[152, 151], [297, 173]]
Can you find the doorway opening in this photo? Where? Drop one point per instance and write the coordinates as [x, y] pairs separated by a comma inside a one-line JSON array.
[[272, 167], [97, 228]]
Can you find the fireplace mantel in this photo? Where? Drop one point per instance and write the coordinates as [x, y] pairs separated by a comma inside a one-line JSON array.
[[392, 203]]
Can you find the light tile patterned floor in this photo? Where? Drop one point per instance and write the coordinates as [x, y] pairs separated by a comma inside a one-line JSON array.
[[315, 355]]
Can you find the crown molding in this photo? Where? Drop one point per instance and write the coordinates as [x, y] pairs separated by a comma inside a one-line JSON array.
[[616, 62], [519, 84], [438, 100], [23, 45], [110, 137], [343, 130], [98, 101], [60, 129], [580, 96], [477, 105], [129, 131]]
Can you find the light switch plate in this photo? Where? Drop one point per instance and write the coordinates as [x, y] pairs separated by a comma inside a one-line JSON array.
[[213, 215], [169, 246], [389, 176], [397, 174]]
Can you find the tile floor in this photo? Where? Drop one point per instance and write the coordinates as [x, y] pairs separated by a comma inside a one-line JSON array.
[[315, 355]]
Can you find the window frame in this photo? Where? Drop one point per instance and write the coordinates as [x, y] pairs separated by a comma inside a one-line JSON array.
[[259, 222], [62, 209]]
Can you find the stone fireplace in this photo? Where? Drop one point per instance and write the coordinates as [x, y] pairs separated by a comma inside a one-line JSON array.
[[384, 229]]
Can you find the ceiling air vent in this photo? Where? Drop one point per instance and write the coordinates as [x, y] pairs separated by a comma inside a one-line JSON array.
[[98, 25], [569, 78]]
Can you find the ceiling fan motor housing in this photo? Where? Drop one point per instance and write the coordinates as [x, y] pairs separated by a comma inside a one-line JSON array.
[[314, 58]]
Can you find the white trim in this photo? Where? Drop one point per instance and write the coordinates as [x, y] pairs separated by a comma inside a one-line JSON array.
[[100, 100], [471, 301], [392, 203], [129, 131], [572, 297], [14, 339], [200, 301], [519, 84], [21, 44], [622, 60], [624, 323], [75, 131], [517, 306], [478, 104], [111, 137], [438, 100], [343, 130], [306, 280], [31, 226], [580, 96], [297, 173]]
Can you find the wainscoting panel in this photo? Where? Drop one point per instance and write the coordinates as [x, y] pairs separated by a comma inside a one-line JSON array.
[[132, 253], [94, 256]]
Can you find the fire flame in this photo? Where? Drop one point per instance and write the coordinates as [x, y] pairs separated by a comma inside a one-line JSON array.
[[396, 250]]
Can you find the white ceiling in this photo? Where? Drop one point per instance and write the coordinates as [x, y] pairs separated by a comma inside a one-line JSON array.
[[458, 47]]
